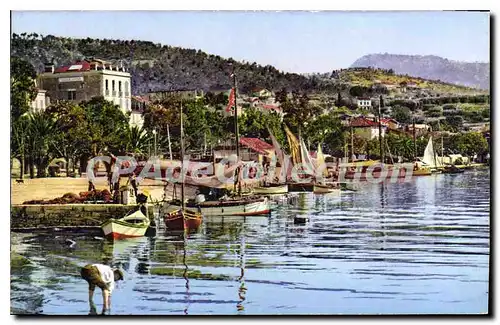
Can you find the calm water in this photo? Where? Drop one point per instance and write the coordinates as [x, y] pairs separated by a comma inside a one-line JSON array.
[[418, 247]]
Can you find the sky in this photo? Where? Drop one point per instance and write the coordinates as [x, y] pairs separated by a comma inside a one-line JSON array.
[[300, 41]]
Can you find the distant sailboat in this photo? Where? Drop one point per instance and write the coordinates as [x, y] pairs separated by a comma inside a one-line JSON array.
[[430, 158]]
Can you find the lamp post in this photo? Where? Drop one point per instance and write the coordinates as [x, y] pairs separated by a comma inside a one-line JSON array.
[[154, 134]]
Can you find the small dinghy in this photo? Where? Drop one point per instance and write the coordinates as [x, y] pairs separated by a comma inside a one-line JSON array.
[[183, 219], [133, 225]]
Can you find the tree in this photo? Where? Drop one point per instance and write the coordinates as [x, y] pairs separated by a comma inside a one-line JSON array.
[[22, 87], [472, 143], [455, 122], [401, 114], [72, 136], [326, 129], [137, 140], [41, 136], [107, 126], [358, 91]]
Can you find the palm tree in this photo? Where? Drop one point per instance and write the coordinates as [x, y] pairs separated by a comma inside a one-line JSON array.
[[137, 140], [18, 142], [41, 132]]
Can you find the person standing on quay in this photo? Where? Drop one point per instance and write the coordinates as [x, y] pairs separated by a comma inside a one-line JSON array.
[[104, 277]]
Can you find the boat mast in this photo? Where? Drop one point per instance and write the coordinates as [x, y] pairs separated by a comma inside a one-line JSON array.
[[380, 132], [182, 161], [236, 129], [414, 141], [442, 142], [352, 144], [169, 143]]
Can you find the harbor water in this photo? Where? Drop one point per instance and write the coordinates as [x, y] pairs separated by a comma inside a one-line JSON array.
[[420, 247]]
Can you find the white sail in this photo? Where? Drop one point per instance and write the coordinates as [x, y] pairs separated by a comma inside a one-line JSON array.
[[430, 157], [307, 163]]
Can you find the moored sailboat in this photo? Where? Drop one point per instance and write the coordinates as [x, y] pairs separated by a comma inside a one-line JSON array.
[[238, 205], [183, 219]]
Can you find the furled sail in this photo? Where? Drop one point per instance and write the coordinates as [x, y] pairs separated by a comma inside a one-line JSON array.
[[294, 146]]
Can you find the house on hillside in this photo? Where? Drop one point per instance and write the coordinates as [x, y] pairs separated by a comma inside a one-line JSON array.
[[390, 123], [261, 93], [138, 106], [390, 85], [364, 102], [251, 149], [420, 129], [366, 128], [83, 80], [41, 101]]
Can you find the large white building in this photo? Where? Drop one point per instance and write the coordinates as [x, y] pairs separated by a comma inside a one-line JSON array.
[[86, 79]]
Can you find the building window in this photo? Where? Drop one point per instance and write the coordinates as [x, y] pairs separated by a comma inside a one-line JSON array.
[[106, 92], [126, 88], [107, 84], [119, 86], [113, 85], [71, 95]]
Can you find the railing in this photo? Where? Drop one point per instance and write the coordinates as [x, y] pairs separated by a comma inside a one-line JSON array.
[[126, 94], [120, 94], [113, 93], [107, 92]]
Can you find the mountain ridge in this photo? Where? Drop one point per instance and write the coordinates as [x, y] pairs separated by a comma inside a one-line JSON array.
[[433, 67]]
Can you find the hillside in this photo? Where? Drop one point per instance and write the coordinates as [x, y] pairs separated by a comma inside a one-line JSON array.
[[158, 67], [431, 67], [417, 87]]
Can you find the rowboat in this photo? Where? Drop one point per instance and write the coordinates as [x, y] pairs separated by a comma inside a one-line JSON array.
[[452, 169], [133, 225], [325, 189], [271, 189], [245, 206], [183, 219], [422, 171]]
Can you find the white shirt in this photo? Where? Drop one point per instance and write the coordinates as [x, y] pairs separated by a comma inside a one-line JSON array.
[[200, 198], [107, 276]]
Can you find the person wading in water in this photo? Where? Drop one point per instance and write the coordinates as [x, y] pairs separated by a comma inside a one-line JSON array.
[[104, 277]]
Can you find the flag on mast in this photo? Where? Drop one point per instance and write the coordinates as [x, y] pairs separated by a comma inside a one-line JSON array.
[[231, 103]]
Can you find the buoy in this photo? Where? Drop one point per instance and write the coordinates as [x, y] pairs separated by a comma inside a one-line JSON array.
[[300, 219]]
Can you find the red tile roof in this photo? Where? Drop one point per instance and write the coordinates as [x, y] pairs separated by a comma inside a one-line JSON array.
[[362, 122], [140, 99], [275, 107], [256, 145], [388, 120], [77, 66]]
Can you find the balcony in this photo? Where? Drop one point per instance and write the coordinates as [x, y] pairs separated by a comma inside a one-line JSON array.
[[120, 94], [127, 94], [106, 92], [113, 93]]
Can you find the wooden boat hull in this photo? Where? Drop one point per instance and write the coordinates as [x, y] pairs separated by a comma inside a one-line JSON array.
[[321, 189], [245, 207], [300, 187], [361, 175], [183, 219], [422, 172], [119, 228], [269, 190]]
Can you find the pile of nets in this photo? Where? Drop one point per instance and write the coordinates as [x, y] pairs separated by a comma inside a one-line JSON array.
[[103, 196]]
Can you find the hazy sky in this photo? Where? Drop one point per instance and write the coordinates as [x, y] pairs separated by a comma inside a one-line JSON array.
[[290, 41]]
